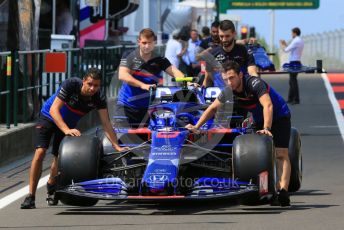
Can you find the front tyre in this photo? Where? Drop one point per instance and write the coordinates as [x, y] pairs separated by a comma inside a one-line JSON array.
[[254, 154], [78, 161]]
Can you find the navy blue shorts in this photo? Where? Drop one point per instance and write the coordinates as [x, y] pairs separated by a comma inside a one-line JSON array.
[[281, 131], [45, 129]]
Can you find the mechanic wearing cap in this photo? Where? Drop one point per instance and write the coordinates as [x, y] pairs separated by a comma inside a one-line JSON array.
[[228, 50], [59, 117], [269, 111], [140, 70]]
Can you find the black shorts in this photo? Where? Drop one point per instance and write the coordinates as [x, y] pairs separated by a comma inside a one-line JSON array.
[[281, 131], [136, 116], [45, 129]]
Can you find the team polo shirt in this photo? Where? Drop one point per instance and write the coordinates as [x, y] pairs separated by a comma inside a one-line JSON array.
[[238, 54], [253, 89], [208, 42], [147, 72], [75, 105]]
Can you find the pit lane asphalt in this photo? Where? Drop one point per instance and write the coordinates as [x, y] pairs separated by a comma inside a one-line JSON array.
[[318, 205]]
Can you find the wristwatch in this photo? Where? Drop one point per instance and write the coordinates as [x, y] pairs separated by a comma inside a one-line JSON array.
[[268, 129]]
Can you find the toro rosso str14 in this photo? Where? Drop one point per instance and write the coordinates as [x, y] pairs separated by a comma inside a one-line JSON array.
[[168, 162]]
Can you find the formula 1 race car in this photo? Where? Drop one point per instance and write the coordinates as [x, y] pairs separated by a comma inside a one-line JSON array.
[[168, 162], [261, 57], [266, 66]]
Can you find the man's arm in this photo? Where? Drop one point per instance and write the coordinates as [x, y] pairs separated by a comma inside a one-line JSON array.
[[266, 102], [124, 75], [241, 41], [174, 71], [202, 54], [252, 70], [208, 79], [110, 134], [283, 44], [209, 59], [208, 113], [290, 47], [56, 115], [251, 64], [181, 50]]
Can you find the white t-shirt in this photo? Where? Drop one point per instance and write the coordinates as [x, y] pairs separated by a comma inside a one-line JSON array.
[[295, 48], [190, 56], [173, 48]]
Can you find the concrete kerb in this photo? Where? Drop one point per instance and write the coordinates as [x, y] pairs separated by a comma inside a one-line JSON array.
[[18, 142]]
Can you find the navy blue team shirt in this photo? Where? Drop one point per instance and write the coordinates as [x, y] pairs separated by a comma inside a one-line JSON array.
[[75, 105], [239, 54], [208, 42], [147, 72], [253, 89]]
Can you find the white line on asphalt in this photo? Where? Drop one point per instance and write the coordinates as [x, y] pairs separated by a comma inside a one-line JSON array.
[[20, 193], [24, 191], [337, 111]]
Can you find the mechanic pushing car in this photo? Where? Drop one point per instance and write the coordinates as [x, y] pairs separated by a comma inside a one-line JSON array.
[[59, 116], [270, 114], [228, 50], [140, 70]]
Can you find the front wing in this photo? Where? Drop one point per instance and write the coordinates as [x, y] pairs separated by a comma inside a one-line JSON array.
[[117, 190]]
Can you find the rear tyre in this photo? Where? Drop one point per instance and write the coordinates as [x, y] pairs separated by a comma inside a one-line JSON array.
[[252, 155], [295, 157], [78, 161]]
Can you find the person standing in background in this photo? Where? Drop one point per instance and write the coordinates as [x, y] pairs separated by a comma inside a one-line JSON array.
[[213, 40], [189, 57], [295, 48], [174, 49], [205, 32]]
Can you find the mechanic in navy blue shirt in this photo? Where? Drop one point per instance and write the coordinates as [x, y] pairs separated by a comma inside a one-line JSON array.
[[269, 111], [59, 117], [140, 70], [228, 50], [213, 40]]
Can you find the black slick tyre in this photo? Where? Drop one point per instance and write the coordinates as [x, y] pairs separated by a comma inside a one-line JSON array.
[[78, 161]]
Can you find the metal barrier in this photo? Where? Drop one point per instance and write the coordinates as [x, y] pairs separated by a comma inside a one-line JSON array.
[[327, 46], [24, 86]]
